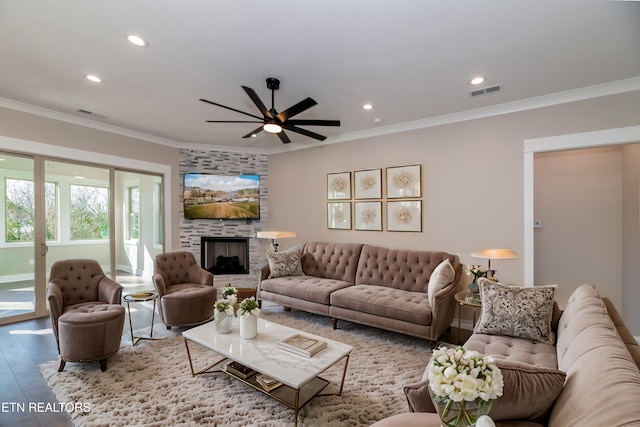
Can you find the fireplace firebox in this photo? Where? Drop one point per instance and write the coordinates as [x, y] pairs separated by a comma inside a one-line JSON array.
[[225, 255]]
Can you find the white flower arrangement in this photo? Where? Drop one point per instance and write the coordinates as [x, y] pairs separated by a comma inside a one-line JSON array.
[[230, 294], [229, 302], [476, 271], [458, 375], [225, 306], [249, 306]]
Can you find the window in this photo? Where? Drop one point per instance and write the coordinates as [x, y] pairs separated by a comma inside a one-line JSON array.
[[133, 213], [89, 217], [20, 210]]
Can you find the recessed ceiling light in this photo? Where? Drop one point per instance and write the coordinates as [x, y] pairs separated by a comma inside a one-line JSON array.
[[477, 80], [136, 40], [253, 135], [367, 107], [93, 78]]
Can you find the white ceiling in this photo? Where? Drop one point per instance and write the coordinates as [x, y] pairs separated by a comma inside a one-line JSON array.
[[412, 59]]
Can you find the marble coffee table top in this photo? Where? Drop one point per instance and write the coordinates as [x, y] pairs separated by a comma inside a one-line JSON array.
[[262, 353]]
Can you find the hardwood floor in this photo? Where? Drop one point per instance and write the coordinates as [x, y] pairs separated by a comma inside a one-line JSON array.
[[25, 345], [24, 394]]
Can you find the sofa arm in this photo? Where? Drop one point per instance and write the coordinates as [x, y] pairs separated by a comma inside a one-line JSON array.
[[264, 273], [443, 310], [54, 296], [109, 291], [418, 397], [159, 283]]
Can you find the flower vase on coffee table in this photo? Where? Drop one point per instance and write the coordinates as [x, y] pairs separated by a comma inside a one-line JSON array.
[[223, 316], [248, 312]]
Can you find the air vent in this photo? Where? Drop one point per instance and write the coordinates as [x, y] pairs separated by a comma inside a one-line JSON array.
[[91, 113], [492, 89]]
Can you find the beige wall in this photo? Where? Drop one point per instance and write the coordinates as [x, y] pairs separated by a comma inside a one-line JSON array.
[[472, 179]]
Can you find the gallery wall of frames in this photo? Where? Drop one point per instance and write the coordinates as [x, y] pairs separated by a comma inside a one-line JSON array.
[[355, 199]]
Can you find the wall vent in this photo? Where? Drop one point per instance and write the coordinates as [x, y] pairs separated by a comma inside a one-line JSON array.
[[491, 89], [91, 113]]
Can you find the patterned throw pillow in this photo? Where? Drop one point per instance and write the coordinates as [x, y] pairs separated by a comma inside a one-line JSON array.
[[285, 263], [521, 312]]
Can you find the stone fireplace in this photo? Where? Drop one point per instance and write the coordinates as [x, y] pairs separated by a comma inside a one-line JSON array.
[[225, 255]]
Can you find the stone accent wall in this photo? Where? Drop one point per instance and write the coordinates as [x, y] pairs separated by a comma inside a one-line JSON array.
[[226, 163]]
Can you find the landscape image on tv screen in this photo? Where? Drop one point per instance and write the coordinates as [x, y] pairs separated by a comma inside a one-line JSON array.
[[209, 196]]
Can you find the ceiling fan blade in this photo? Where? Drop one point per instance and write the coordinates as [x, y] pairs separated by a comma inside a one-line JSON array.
[[304, 132], [296, 109], [313, 122], [232, 109], [232, 121], [256, 100], [283, 137], [254, 132]]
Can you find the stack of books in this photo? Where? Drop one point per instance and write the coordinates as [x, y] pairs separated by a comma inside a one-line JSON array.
[[302, 345], [239, 370], [267, 383]]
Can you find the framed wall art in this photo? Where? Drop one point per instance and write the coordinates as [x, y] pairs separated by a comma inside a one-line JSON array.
[[368, 184], [339, 215], [404, 182], [339, 186], [368, 216], [405, 215]]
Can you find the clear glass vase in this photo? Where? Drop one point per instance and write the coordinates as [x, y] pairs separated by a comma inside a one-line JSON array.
[[460, 414], [222, 321]]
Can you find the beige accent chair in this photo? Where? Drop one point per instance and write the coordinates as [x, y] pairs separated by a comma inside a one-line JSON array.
[[186, 291], [86, 314]]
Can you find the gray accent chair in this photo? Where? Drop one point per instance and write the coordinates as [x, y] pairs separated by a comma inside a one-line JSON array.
[[86, 315], [186, 291]]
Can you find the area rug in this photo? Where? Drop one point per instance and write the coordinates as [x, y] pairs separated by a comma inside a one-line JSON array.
[[151, 384]]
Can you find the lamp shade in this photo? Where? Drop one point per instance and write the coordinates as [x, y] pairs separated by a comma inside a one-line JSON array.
[[495, 254], [275, 234]]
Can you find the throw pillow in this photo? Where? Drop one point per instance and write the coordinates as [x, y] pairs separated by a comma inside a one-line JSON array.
[[529, 391], [440, 277], [522, 312], [285, 263]]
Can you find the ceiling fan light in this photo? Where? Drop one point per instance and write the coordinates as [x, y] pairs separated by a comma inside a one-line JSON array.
[[272, 128]]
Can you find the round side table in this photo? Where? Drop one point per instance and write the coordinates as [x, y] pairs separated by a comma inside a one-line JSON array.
[[141, 297], [469, 299]]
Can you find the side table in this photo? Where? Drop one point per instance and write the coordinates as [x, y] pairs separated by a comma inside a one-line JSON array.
[[141, 297], [469, 299]]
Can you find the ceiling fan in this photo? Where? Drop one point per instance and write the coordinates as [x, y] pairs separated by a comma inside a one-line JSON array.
[[274, 122]]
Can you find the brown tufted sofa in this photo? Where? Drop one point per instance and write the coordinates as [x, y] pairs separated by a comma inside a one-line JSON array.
[[371, 285], [186, 291], [595, 353], [86, 315]]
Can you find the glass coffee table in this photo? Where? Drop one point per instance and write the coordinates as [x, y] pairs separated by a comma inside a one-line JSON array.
[[299, 375]]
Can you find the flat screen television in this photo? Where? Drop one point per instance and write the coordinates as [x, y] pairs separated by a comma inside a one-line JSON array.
[[222, 197]]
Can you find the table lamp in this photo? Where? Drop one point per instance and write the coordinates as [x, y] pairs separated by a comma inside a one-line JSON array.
[[274, 236], [490, 254]]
